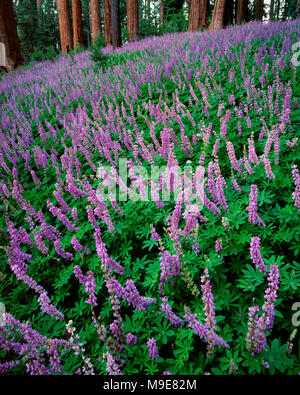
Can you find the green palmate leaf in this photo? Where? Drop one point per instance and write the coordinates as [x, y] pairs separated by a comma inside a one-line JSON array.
[[252, 278], [276, 356]]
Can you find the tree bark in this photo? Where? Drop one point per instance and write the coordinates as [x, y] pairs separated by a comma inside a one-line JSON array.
[[277, 9], [218, 15], [107, 22], [132, 19], [95, 18], [198, 15], [241, 12], [9, 36], [162, 12], [115, 23], [271, 16], [228, 15], [259, 9], [65, 28], [38, 3], [77, 23]]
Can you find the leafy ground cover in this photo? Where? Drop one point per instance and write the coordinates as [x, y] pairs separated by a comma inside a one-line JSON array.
[[97, 286]]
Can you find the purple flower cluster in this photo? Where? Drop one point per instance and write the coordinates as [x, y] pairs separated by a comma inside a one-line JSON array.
[[89, 284], [170, 267], [259, 325], [256, 256], [31, 347], [170, 315], [152, 349], [296, 193], [253, 217]]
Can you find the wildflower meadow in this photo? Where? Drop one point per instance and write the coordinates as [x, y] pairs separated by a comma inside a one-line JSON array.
[[150, 208]]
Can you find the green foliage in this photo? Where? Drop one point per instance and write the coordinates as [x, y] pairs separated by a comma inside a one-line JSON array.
[[96, 52], [44, 53], [176, 23]]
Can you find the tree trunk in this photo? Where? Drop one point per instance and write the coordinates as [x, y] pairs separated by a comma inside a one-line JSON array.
[[77, 23], [38, 3], [148, 10], [218, 15], [132, 19], [228, 15], [107, 22], [95, 18], [271, 16], [9, 36], [277, 9], [259, 9], [162, 12], [65, 28], [198, 15], [115, 23], [241, 12]]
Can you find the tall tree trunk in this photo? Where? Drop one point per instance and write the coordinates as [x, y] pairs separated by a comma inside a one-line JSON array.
[[162, 12], [38, 3], [259, 9], [65, 28], [277, 9], [9, 36], [198, 15], [148, 10], [95, 18], [218, 15], [132, 19], [115, 23], [241, 11], [228, 15], [272, 10], [107, 22], [77, 23]]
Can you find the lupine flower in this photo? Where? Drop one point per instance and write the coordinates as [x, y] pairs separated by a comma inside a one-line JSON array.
[[89, 284], [152, 349], [255, 254], [131, 339], [258, 325], [253, 217], [296, 193], [170, 315], [112, 367], [218, 246]]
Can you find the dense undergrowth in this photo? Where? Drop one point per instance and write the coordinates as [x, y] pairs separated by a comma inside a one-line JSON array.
[[152, 286]]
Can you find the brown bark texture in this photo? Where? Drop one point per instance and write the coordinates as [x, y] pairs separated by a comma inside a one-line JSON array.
[[228, 15], [115, 23], [107, 22], [198, 15], [132, 7], [271, 10], [77, 23], [65, 28], [95, 18], [162, 12], [259, 9], [241, 11], [218, 15], [9, 35]]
